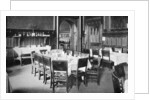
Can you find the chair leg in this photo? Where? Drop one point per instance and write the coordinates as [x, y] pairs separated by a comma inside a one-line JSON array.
[[32, 70], [77, 83], [35, 72], [45, 78], [53, 87], [98, 83], [98, 77], [86, 81], [39, 75], [51, 83], [67, 89], [20, 62]]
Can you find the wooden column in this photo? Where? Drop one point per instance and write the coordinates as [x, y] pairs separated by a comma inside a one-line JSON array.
[[109, 22], [81, 29], [79, 34], [72, 38], [57, 32], [19, 42], [89, 37], [104, 22]]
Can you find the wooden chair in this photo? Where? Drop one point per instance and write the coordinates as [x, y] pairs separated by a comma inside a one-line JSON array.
[[117, 84], [82, 62], [105, 53], [76, 53], [41, 70], [60, 74], [87, 51], [124, 50], [35, 65], [106, 62], [25, 57], [95, 61], [69, 52], [93, 74], [43, 51], [47, 69], [119, 70]]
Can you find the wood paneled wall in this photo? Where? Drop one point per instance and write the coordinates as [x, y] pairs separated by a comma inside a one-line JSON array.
[[121, 42], [115, 31]]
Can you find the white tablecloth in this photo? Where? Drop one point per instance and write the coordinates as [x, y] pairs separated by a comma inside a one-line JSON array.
[[118, 57], [28, 50], [72, 61]]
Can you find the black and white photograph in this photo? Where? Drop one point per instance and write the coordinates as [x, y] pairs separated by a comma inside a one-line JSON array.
[[67, 54]]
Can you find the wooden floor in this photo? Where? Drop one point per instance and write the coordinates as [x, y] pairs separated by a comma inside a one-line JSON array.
[[22, 81]]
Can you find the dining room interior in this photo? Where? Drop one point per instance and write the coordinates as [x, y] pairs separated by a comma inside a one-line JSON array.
[[67, 54]]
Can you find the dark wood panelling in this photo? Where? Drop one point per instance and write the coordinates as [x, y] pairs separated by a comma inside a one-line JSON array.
[[119, 22], [115, 31], [30, 22]]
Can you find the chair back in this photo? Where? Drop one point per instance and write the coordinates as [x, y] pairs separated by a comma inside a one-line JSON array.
[[118, 50], [47, 61], [40, 60], [43, 51], [82, 62], [87, 51], [120, 70], [60, 65], [76, 53], [32, 53], [124, 50], [32, 56], [69, 52], [95, 52], [106, 53], [35, 56]]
